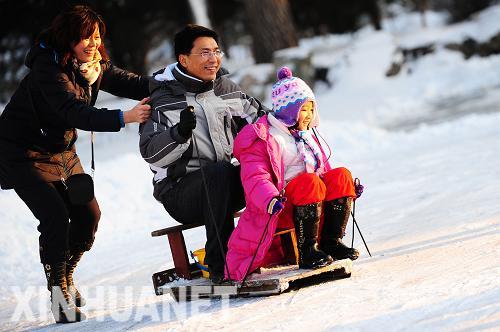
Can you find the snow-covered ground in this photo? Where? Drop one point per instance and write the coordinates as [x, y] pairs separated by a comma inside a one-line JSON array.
[[427, 148]]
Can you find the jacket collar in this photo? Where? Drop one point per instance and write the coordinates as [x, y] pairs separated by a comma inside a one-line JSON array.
[[261, 127], [275, 123], [192, 84]]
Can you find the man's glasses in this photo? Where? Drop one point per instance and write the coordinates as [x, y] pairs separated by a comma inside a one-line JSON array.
[[209, 54]]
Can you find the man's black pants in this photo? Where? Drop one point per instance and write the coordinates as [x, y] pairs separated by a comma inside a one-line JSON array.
[[187, 203], [49, 203]]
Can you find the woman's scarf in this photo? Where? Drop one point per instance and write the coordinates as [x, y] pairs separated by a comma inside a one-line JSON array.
[[309, 151], [90, 70]]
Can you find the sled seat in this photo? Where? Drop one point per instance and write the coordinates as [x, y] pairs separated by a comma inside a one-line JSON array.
[[184, 269]]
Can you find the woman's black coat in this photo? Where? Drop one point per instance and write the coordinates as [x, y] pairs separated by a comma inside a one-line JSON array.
[[50, 102]]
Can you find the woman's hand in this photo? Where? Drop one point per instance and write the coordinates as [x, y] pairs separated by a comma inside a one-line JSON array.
[[140, 113]]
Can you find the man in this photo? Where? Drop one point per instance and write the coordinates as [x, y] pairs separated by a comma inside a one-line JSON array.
[[196, 113]]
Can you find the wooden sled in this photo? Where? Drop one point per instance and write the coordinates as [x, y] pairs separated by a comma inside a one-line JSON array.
[[184, 281]]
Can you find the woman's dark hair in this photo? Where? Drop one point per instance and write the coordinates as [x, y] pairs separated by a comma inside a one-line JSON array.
[[184, 39], [70, 27]]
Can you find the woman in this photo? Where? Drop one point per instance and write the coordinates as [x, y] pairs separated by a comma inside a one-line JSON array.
[[284, 167], [68, 67]]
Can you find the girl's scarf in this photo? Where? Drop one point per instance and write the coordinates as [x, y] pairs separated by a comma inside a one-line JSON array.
[[309, 151], [90, 70]]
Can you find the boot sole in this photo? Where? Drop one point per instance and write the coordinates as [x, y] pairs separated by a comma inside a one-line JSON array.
[[351, 257], [63, 319], [316, 266]]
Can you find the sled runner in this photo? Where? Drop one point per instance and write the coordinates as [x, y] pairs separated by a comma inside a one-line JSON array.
[[184, 281], [270, 281]]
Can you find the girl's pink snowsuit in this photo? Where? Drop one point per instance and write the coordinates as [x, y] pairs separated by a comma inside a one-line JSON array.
[[262, 175]]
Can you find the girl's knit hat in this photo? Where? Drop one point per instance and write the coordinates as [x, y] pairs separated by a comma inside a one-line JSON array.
[[288, 96]]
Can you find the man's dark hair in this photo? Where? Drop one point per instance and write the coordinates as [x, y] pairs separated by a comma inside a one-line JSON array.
[[184, 39]]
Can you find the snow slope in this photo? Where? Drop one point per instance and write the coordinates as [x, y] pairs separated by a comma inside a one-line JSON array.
[[427, 148]]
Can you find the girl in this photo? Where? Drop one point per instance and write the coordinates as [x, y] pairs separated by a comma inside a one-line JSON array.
[[288, 182], [68, 67]]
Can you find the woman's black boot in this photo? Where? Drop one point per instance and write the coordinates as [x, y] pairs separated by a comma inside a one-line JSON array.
[[62, 305], [306, 220], [336, 216], [71, 264]]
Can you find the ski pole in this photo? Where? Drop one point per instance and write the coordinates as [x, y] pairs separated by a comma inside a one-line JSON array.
[[256, 251], [212, 218], [362, 238], [356, 182], [353, 213], [355, 223]]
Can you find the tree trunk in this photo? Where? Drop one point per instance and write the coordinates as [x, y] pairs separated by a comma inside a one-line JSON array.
[[374, 11], [422, 6], [271, 25]]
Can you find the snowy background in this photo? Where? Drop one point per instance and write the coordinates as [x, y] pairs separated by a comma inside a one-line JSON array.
[[426, 145]]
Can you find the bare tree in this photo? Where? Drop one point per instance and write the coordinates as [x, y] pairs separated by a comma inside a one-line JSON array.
[[422, 6], [271, 25]]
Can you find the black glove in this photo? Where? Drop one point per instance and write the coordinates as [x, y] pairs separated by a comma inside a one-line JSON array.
[[187, 122]]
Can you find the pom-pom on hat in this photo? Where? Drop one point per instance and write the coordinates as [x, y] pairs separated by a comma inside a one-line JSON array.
[[288, 96]]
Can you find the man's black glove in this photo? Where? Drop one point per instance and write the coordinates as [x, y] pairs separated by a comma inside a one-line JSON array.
[[187, 122]]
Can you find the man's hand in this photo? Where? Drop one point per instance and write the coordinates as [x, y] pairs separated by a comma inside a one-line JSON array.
[[187, 122]]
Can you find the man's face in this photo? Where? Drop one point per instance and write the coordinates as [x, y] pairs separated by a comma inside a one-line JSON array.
[[202, 62]]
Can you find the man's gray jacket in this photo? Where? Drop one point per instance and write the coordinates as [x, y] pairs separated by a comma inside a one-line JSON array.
[[221, 110]]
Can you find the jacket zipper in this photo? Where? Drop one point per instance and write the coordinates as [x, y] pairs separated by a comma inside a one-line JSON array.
[[226, 126]]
